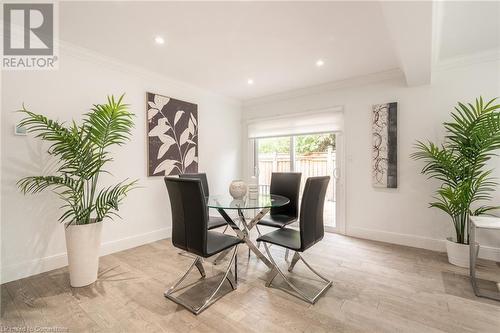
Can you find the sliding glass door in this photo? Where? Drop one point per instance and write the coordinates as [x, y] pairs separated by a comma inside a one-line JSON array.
[[310, 154], [314, 155], [273, 155]]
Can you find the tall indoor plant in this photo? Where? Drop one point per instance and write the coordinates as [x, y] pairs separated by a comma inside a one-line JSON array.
[[460, 164], [82, 152]]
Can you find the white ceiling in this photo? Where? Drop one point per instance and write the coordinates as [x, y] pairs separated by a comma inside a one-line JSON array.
[[467, 28], [220, 45]]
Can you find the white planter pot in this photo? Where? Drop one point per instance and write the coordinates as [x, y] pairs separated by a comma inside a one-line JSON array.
[[458, 254], [83, 243]]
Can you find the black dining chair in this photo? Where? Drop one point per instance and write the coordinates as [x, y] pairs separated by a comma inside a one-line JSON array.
[[286, 184], [310, 232], [214, 222], [190, 233]]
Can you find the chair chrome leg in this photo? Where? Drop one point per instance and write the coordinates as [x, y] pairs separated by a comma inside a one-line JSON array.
[[221, 256], [295, 258], [236, 269], [210, 299], [171, 289], [199, 265], [313, 270], [298, 293]]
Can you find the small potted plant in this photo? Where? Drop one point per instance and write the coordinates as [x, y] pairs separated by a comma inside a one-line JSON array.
[[460, 164], [82, 151]]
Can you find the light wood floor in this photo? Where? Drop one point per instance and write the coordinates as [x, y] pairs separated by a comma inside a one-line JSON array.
[[377, 288]]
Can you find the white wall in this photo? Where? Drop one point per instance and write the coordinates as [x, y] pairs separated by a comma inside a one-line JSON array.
[[394, 215], [32, 239]]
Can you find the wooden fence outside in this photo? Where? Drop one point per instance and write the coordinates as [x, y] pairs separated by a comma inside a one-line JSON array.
[[314, 164]]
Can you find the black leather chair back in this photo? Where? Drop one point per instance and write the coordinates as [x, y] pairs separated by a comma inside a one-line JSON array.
[[311, 211], [189, 214], [201, 176], [286, 184]]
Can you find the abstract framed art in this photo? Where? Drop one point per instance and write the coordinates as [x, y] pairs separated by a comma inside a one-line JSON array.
[[172, 136], [385, 145]]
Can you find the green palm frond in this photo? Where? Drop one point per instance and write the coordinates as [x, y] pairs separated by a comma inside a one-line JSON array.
[[108, 199], [110, 123], [37, 184], [82, 153], [472, 139]]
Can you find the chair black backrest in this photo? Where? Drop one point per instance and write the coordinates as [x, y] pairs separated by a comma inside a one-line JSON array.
[[200, 176], [286, 184], [311, 211], [189, 214]]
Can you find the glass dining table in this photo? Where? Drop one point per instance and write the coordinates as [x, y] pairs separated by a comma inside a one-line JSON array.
[[263, 203]]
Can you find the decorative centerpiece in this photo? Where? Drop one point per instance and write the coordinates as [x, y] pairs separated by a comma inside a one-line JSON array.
[[253, 189], [238, 189]]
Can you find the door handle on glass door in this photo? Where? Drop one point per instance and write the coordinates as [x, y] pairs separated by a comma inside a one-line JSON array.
[[336, 173]]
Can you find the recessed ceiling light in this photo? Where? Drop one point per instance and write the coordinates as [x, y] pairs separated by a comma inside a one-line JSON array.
[[320, 62], [159, 40], [250, 81]]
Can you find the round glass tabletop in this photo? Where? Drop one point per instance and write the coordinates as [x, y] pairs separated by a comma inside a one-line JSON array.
[[262, 201]]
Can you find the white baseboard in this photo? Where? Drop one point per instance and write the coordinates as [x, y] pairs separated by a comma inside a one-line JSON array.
[[33, 267], [37, 266], [485, 252]]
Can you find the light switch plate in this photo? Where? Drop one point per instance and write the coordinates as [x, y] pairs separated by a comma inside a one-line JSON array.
[[19, 130]]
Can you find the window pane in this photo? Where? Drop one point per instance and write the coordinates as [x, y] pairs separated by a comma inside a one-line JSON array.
[[273, 156]]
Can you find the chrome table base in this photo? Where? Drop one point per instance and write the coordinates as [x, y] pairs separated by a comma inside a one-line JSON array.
[[243, 233]]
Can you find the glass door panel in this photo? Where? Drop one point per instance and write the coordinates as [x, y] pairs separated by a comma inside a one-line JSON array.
[[311, 154], [314, 155], [273, 155]]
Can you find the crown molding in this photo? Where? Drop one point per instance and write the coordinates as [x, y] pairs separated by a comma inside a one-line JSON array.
[[84, 54], [467, 60], [334, 85]]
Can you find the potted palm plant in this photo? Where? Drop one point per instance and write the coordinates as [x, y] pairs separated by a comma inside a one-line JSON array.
[[82, 152], [460, 164]]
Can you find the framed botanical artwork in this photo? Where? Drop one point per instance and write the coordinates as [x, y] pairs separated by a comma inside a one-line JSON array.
[[172, 136], [385, 145]]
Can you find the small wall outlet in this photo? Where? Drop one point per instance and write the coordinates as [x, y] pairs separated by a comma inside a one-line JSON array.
[[19, 130]]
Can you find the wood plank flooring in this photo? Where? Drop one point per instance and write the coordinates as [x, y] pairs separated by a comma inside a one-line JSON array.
[[377, 287]]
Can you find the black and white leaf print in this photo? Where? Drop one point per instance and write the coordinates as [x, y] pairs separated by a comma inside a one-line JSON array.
[[178, 116], [169, 141], [166, 166], [184, 136], [190, 156], [172, 136]]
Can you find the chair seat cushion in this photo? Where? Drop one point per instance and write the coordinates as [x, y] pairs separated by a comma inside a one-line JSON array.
[[218, 242], [286, 237], [215, 222], [277, 220]]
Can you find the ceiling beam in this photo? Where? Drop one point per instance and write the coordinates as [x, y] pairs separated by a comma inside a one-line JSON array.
[[410, 26]]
